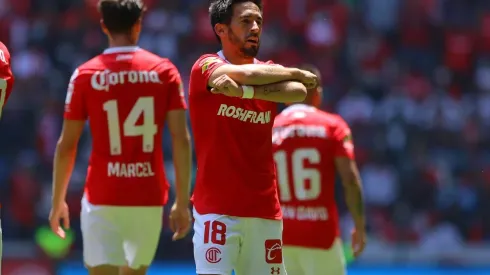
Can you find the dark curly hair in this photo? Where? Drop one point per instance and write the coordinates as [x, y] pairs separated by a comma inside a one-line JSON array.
[[221, 11], [120, 16]]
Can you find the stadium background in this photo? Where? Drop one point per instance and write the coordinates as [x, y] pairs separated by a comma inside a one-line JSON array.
[[412, 78]]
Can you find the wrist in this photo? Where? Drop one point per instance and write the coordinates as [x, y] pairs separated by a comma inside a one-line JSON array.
[[248, 92], [182, 202], [360, 225]]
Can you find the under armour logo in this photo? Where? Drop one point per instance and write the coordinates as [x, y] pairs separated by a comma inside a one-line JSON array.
[[275, 270]]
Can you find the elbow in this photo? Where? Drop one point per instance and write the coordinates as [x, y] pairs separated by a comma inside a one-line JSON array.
[[64, 148], [297, 93], [182, 141]]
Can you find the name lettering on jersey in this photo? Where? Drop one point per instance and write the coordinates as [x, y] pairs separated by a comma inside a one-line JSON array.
[[2, 57], [279, 134], [130, 170], [102, 80], [244, 115], [304, 213]]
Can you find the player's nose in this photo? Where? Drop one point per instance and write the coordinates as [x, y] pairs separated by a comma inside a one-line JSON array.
[[255, 27]]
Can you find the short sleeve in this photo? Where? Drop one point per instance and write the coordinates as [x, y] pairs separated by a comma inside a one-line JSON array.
[[206, 65], [75, 106], [175, 89], [344, 145]]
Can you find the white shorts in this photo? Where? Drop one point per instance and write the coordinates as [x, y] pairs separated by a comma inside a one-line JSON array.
[[313, 261], [120, 236], [249, 246]]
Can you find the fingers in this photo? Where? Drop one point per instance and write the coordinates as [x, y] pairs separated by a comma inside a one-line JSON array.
[[359, 249], [181, 228], [358, 243], [221, 82], [181, 232], [216, 91], [66, 221], [56, 228]]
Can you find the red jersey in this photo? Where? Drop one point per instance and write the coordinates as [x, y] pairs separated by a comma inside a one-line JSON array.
[[125, 93], [232, 139], [306, 142], [6, 76]]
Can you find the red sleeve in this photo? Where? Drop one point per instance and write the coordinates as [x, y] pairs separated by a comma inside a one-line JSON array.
[[344, 145], [205, 66], [75, 105], [175, 87], [6, 83]]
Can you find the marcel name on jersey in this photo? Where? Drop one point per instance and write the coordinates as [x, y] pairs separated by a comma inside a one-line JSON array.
[[130, 170], [244, 115], [102, 80]]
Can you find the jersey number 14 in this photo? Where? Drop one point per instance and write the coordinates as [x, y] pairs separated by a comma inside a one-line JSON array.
[[144, 106], [300, 174]]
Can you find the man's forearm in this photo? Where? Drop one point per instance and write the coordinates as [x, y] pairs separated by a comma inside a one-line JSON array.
[[182, 158], [355, 203], [64, 160], [262, 74], [282, 92]]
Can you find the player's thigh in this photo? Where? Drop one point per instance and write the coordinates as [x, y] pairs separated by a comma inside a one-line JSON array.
[[141, 234], [216, 243], [291, 256], [102, 241], [261, 251], [324, 261]]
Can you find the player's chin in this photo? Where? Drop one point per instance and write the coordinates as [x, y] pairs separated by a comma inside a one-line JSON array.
[[251, 50]]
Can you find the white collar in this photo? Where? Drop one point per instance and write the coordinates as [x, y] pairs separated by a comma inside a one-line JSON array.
[[222, 56], [124, 49], [299, 107]]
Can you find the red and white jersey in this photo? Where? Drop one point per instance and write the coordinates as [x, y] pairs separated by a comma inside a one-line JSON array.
[[6, 76], [235, 168], [306, 142], [125, 93]]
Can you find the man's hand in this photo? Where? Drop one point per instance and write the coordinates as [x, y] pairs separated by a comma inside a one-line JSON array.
[[226, 86], [58, 213], [310, 80], [358, 241], [180, 221]]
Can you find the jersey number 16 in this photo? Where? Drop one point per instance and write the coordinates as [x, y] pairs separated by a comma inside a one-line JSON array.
[[300, 174], [144, 105]]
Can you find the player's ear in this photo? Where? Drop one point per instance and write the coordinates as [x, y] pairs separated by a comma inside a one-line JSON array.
[[317, 97], [104, 28], [220, 29], [138, 25]]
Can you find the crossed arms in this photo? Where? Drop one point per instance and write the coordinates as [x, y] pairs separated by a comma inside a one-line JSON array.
[[270, 82]]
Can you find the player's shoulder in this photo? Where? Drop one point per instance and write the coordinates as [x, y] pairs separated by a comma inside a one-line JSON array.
[[4, 56], [268, 62], [332, 120], [4, 50], [205, 60], [151, 59]]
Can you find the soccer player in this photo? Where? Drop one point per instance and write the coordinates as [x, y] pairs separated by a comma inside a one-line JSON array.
[[309, 146], [6, 85], [126, 94], [232, 104]]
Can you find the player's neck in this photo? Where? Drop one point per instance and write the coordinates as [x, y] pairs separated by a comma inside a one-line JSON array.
[[236, 59], [121, 41]]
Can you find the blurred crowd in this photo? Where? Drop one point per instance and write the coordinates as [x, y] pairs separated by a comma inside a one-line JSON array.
[[411, 77]]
